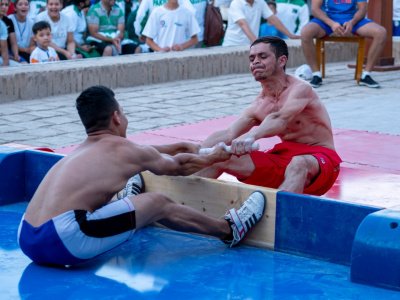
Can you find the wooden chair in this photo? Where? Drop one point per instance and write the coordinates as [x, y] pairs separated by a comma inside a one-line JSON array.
[[320, 47]]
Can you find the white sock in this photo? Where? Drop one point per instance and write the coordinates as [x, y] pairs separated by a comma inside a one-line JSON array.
[[318, 73], [365, 73]]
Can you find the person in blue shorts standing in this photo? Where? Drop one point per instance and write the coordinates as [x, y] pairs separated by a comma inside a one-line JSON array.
[[342, 18]]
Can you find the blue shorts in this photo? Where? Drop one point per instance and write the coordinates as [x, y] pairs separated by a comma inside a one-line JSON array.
[[396, 28], [77, 235], [329, 31]]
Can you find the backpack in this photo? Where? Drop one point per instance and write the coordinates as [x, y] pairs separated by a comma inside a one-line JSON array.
[[213, 26]]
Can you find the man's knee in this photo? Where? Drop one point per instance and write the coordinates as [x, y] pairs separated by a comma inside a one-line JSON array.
[[159, 199], [308, 32], [153, 199], [374, 31], [380, 34], [107, 51], [304, 165], [298, 164]]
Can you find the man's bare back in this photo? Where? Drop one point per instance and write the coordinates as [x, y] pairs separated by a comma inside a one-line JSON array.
[[104, 162], [71, 217], [62, 189]]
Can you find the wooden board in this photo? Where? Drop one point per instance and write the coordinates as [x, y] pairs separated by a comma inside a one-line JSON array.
[[214, 198]]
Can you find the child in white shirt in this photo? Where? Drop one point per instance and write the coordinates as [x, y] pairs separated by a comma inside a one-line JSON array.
[[171, 27], [42, 36]]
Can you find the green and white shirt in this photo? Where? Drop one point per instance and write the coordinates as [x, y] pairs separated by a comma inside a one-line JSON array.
[[108, 23]]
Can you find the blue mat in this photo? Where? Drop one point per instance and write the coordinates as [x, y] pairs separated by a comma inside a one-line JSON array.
[[163, 264]]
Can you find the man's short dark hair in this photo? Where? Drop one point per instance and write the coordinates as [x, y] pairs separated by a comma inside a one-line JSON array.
[[39, 26], [96, 106], [278, 45]]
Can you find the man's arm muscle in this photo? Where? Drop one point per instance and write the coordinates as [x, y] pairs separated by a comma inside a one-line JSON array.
[[276, 123], [143, 158], [242, 125]]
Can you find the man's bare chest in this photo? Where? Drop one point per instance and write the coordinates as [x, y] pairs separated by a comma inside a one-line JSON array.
[[266, 107]]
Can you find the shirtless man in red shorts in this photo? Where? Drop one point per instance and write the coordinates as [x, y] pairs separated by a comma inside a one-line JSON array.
[[305, 161]]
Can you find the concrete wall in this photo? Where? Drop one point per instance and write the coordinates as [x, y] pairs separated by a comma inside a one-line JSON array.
[[43, 80]]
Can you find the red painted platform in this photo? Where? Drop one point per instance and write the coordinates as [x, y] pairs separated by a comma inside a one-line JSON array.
[[370, 172]]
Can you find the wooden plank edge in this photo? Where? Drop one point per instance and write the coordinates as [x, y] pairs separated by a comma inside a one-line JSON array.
[[215, 197]]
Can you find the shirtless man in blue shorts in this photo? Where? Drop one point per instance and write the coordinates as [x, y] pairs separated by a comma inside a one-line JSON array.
[[342, 18], [71, 217]]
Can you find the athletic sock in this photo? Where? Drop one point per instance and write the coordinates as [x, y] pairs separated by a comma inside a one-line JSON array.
[[365, 73], [318, 73]]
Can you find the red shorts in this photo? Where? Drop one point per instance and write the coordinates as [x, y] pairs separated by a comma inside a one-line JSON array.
[[271, 166]]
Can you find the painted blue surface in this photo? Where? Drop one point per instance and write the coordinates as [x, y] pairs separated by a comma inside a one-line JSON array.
[[37, 164], [316, 227], [21, 171], [376, 251], [163, 264], [12, 177]]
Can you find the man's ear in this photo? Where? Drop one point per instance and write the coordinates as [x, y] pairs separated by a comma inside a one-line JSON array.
[[116, 118], [282, 60]]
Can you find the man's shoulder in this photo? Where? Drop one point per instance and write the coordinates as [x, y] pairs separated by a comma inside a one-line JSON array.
[[300, 86], [297, 82], [104, 141], [116, 10], [94, 8]]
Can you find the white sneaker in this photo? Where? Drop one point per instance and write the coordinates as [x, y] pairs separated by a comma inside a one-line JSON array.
[[246, 217], [134, 186]]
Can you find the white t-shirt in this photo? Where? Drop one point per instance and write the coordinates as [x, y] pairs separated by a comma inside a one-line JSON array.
[[40, 55], [23, 31], [3, 31], [169, 27], [77, 19], [59, 29], [288, 13], [147, 6], [239, 10], [200, 14], [396, 10], [35, 6]]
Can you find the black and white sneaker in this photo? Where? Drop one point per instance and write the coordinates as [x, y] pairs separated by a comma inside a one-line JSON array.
[[134, 186], [246, 217], [369, 82], [316, 81]]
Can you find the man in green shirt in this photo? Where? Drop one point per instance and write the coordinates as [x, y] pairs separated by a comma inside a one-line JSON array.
[[106, 24]]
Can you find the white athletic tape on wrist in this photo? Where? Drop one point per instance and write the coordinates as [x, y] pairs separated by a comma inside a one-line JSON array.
[[254, 147]]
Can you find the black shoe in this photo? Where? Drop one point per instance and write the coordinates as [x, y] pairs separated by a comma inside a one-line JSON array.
[[316, 81], [369, 82]]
